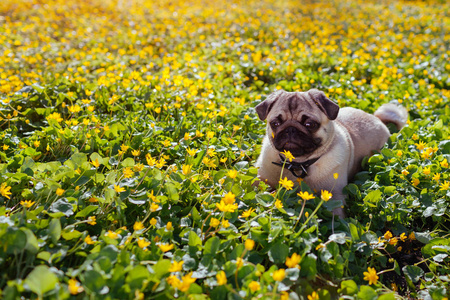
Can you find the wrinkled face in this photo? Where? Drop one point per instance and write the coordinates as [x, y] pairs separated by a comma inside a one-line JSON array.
[[298, 122]]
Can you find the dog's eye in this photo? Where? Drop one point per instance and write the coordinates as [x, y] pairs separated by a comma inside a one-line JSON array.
[[311, 124], [275, 124]]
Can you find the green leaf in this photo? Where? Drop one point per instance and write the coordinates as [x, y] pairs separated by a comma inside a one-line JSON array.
[[308, 266], [94, 282], [278, 253], [367, 293], [41, 280], [194, 239], [32, 243], [372, 198], [63, 206], [161, 268], [423, 237], [172, 191], [70, 234], [339, 238], [86, 211], [14, 240], [137, 276], [388, 296], [436, 246], [348, 287], [54, 230], [413, 273], [211, 246]]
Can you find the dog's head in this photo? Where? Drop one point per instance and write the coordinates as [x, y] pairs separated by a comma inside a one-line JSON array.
[[298, 122]]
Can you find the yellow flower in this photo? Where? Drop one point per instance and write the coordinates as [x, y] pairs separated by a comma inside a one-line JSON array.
[[154, 207], [92, 220], [214, 222], [143, 243], [112, 234], [286, 183], [247, 213], [225, 224], [5, 147], [412, 236], [326, 195], [313, 296], [153, 221], [279, 275], [186, 136], [254, 286], [426, 171], [208, 162], [393, 241], [284, 295], [221, 278], [169, 226], [210, 134], [59, 191], [198, 133], [239, 263], [173, 281], [223, 207], [288, 155], [405, 172], [88, 240], [394, 287], [444, 186], [249, 244], [176, 266], [127, 172], [229, 198], [335, 176], [165, 247], [278, 204], [437, 177], [399, 153], [136, 152], [211, 152], [150, 160], [403, 237], [388, 235], [232, 174], [293, 261], [444, 163], [36, 143], [75, 287], [415, 181], [187, 280], [191, 152], [119, 189], [95, 163], [371, 276], [305, 195], [186, 169], [138, 226], [27, 203]]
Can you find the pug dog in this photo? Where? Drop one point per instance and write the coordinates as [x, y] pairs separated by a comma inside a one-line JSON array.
[[323, 138]]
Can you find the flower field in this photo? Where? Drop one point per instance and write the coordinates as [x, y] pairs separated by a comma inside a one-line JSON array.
[[129, 137]]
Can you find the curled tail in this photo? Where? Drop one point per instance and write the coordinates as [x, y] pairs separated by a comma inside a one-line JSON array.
[[392, 113]]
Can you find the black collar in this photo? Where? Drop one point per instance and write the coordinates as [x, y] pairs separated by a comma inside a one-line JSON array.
[[296, 166]]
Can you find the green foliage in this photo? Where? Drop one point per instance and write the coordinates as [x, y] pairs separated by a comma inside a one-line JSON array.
[[129, 136]]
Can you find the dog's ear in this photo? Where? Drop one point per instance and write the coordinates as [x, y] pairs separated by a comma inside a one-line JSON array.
[[329, 108], [264, 107]]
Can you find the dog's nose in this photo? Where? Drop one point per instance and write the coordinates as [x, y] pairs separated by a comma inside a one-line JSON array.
[[290, 130]]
